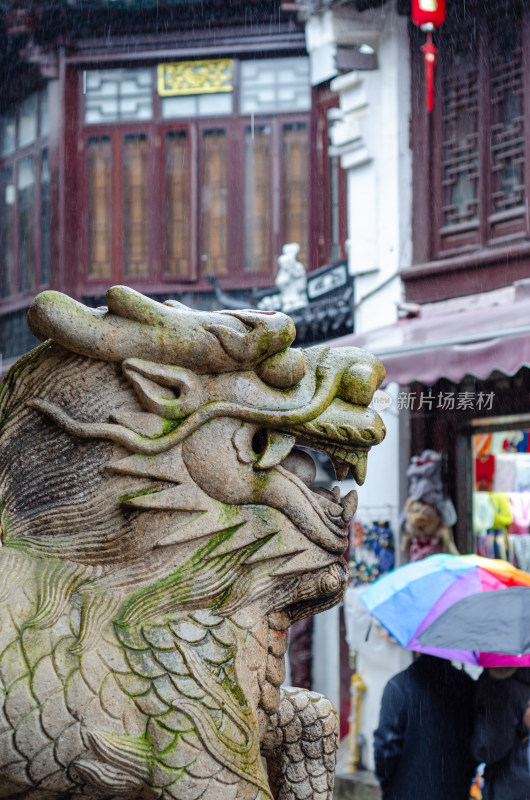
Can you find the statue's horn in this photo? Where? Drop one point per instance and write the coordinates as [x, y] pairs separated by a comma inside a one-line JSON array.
[[134, 326]]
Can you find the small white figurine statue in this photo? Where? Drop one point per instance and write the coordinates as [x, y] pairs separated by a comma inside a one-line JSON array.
[[291, 280]]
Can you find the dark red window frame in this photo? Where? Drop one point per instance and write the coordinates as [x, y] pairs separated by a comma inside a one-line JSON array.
[[330, 245], [156, 131]]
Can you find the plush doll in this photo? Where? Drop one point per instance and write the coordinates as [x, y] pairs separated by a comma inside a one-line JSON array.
[[424, 532], [428, 514]]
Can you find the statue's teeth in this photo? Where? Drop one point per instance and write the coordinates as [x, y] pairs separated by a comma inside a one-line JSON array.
[[344, 460], [359, 468], [340, 467]]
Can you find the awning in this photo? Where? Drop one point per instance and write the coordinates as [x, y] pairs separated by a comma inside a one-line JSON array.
[[476, 342]]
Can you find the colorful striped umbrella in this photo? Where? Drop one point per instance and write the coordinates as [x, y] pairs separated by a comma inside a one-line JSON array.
[[411, 599]]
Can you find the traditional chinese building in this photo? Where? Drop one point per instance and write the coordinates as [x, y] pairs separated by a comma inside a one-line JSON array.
[[458, 357], [466, 287], [471, 239], [158, 145]]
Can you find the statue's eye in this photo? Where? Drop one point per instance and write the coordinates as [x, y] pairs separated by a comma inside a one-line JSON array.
[[271, 447], [262, 447]]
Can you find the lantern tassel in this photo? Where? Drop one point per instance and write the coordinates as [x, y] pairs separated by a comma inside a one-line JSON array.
[[429, 52]]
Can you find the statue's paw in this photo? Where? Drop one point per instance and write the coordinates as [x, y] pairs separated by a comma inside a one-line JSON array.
[[301, 746]]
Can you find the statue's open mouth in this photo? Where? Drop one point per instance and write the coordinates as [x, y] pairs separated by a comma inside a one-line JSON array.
[[345, 433], [334, 511], [345, 462], [331, 513]]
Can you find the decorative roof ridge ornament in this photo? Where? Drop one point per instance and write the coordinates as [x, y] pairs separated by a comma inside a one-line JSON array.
[[291, 282]]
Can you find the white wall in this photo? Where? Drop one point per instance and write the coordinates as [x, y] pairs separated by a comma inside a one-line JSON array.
[[371, 135], [326, 655], [388, 214], [378, 658], [380, 498]]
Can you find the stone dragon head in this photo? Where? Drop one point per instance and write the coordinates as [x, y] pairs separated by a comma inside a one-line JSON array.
[[162, 450]]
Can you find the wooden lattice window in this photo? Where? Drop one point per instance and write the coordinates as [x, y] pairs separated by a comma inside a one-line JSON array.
[[460, 129], [177, 231], [45, 217], [507, 121], [26, 223], [471, 166], [257, 198], [295, 149], [100, 207], [7, 232], [214, 190], [136, 199]]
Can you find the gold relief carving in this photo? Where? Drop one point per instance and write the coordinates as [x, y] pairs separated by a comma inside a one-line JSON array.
[[195, 77]]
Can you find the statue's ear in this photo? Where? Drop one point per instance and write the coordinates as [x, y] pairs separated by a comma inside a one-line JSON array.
[[172, 392]]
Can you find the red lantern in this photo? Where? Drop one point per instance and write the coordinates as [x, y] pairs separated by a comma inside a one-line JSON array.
[[428, 12], [428, 15]]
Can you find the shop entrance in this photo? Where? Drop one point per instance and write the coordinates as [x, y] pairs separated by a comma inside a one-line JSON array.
[[500, 488]]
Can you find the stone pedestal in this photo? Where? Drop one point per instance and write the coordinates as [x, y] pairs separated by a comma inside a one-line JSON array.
[[361, 786]]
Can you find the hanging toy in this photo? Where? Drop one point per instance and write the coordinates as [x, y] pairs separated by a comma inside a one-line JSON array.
[[428, 15]]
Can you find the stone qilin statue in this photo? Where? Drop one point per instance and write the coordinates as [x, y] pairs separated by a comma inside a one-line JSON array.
[[159, 536]]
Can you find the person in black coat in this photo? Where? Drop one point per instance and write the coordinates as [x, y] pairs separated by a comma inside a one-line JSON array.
[[423, 742], [502, 727]]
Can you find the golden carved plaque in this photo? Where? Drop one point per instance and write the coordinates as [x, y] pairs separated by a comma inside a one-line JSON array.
[[196, 77]]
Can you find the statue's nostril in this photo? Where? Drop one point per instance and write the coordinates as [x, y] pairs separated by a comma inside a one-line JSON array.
[[260, 441], [373, 435]]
